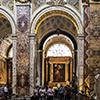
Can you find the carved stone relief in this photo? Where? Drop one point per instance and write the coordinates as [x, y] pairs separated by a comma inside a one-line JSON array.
[[56, 2], [23, 23], [74, 3], [8, 3]]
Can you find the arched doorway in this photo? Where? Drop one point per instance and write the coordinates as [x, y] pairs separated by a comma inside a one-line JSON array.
[[6, 24], [57, 52], [48, 21], [5, 36], [58, 61], [7, 30]]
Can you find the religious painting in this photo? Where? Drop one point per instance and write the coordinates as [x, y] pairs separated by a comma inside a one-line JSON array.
[[58, 72]]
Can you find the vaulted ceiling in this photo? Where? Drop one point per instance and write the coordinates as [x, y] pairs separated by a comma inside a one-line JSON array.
[[5, 27], [5, 35]]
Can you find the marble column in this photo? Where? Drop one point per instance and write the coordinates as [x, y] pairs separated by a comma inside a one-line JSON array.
[[14, 37], [80, 68], [32, 62]]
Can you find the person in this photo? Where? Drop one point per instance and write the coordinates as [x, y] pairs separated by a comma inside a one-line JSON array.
[[1, 91], [6, 90], [61, 91], [42, 93], [74, 91], [36, 93], [50, 93], [67, 91]]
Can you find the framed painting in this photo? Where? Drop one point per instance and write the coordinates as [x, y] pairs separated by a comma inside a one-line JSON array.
[[59, 72]]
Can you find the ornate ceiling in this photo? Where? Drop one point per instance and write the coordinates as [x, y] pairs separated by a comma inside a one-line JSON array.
[[38, 3], [5, 28], [5, 35], [56, 22]]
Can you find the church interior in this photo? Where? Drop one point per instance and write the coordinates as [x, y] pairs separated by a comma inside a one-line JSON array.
[[49, 42]]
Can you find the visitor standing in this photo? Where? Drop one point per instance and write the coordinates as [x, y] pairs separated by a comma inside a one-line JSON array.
[[6, 90]]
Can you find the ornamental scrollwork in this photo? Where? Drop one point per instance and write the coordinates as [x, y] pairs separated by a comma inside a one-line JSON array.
[[8, 3]]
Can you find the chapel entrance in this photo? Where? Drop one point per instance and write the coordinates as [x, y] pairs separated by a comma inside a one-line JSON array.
[[58, 70], [58, 59]]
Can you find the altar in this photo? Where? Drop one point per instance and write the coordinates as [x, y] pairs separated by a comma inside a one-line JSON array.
[[58, 70]]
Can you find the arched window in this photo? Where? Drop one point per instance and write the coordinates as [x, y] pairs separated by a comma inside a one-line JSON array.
[[59, 50]]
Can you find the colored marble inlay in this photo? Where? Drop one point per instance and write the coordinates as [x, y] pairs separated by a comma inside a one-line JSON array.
[[22, 50]]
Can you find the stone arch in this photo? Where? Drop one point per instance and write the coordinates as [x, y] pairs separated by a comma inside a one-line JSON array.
[[75, 45], [10, 17], [7, 13], [55, 32], [5, 46], [68, 10], [77, 21], [54, 39]]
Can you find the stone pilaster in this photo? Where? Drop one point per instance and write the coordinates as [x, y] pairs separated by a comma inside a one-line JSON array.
[[32, 62], [80, 68], [22, 50], [14, 37], [74, 61], [39, 69]]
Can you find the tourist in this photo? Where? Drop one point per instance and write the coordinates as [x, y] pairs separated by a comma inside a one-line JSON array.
[[6, 90], [50, 93], [36, 93], [61, 91], [1, 91], [42, 93]]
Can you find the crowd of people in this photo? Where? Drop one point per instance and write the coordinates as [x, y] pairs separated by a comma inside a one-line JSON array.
[[4, 92], [68, 92]]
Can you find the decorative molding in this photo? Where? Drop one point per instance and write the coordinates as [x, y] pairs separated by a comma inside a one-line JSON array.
[[23, 1], [57, 13], [74, 3], [56, 2], [22, 23], [8, 3], [56, 22]]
